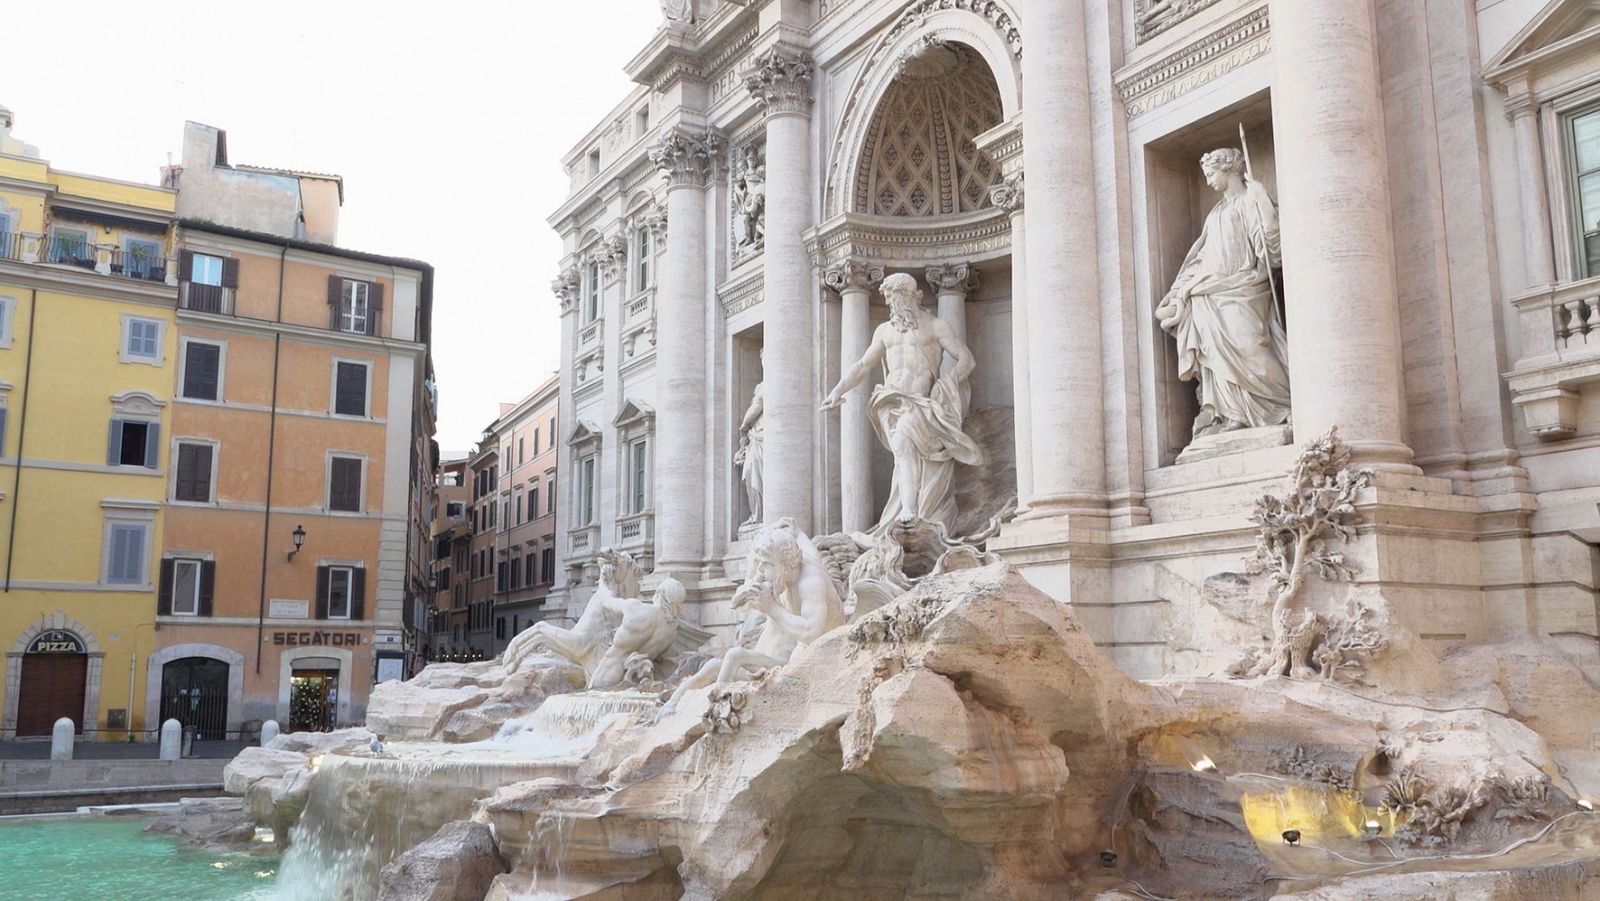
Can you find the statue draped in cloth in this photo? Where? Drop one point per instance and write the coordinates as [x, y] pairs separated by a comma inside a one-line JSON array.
[[750, 457], [1221, 309], [678, 11], [916, 412]]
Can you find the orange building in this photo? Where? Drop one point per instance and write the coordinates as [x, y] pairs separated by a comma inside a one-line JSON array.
[[293, 575], [452, 537], [525, 537]]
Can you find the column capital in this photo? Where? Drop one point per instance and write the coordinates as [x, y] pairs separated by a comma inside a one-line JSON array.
[[687, 158], [780, 81], [852, 274], [948, 277], [565, 287], [613, 255], [1007, 194], [654, 220]]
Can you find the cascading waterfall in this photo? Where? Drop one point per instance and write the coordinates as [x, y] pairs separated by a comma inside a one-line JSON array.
[[365, 810]]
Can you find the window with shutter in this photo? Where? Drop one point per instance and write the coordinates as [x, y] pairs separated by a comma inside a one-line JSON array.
[[202, 370], [125, 557], [355, 307], [193, 481], [350, 389], [344, 484], [549, 565], [186, 587], [133, 443], [341, 584]]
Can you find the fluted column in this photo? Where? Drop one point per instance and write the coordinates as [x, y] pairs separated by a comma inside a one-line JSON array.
[[854, 281], [951, 284], [688, 160], [780, 82], [1062, 276], [1008, 196], [1537, 248], [1338, 250], [565, 288]]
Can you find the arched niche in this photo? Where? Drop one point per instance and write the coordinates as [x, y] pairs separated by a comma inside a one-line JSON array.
[[989, 36]]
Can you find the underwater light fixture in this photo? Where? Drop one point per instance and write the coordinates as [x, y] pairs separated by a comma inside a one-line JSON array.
[[1204, 765], [1291, 836], [1586, 804], [1374, 828], [1108, 858]]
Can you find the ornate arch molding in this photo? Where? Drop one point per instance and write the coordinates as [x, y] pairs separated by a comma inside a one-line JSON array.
[[987, 26], [154, 671], [91, 689]]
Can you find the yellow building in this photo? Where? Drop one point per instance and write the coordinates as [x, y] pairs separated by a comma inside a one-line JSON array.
[[87, 349]]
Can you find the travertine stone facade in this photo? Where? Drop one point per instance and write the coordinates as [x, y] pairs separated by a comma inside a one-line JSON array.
[[1438, 290]]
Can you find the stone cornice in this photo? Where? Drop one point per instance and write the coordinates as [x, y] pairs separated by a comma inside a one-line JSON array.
[[741, 294], [992, 12], [1144, 87], [903, 242], [82, 283]]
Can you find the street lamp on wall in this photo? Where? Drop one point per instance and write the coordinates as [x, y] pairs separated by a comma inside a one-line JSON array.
[[299, 539]]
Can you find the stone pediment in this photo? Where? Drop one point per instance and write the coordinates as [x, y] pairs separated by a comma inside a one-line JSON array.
[[584, 433], [633, 412], [1560, 29], [136, 403]]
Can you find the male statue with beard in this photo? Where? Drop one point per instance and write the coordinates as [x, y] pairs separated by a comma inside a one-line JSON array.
[[916, 412]]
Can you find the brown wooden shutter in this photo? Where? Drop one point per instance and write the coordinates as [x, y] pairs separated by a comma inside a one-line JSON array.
[[164, 592], [374, 308], [335, 294], [185, 265], [322, 592], [208, 584], [230, 272], [358, 593], [184, 489]]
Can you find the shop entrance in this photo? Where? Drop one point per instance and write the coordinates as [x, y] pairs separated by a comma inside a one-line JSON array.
[[313, 700], [55, 676], [194, 691]]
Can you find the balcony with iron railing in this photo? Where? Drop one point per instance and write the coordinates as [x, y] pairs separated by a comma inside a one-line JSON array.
[[136, 263], [205, 298], [1559, 326]]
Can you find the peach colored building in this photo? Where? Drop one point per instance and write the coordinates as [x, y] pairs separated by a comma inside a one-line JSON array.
[[294, 565], [451, 536], [525, 537]]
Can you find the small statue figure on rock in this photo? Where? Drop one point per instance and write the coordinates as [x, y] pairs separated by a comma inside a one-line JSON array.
[[788, 584]]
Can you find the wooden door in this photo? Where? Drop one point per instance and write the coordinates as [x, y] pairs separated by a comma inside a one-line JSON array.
[[52, 687]]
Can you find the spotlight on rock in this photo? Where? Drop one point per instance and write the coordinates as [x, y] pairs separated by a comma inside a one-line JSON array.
[[1108, 858], [1291, 836], [1204, 765], [1586, 804], [1374, 828]]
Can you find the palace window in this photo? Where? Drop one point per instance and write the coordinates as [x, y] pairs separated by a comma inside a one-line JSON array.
[[350, 388], [591, 292], [201, 378], [192, 481], [1584, 133], [643, 256], [345, 484], [594, 162], [186, 587], [141, 340], [640, 474], [586, 492]]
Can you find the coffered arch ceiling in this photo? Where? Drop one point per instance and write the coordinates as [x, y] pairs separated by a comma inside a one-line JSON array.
[[918, 159]]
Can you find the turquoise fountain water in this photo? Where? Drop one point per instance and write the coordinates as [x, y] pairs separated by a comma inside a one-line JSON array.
[[113, 859]]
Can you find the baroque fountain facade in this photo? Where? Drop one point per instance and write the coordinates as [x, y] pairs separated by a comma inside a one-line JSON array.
[[1178, 485]]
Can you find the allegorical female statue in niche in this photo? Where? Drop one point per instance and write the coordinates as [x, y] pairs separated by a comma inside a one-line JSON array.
[[751, 456], [1221, 308]]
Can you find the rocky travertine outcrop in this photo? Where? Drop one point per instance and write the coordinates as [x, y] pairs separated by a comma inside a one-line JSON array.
[[456, 864], [213, 824], [462, 702], [275, 781], [969, 741]]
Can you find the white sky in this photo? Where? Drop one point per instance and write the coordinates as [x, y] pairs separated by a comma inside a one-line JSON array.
[[447, 120]]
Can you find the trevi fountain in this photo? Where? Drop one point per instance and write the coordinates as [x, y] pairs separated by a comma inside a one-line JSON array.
[[958, 688]]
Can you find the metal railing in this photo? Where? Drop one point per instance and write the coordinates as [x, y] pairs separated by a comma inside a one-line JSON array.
[[10, 246], [142, 266], [71, 252], [205, 298]]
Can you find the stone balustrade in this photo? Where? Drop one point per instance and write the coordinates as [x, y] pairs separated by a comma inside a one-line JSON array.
[[1560, 331]]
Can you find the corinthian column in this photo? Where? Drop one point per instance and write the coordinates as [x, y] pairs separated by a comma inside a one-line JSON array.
[[687, 159], [780, 82], [854, 281], [1063, 275], [565, 288], [1338, 250], [1008, 196], [1536, 243], [951, 283]]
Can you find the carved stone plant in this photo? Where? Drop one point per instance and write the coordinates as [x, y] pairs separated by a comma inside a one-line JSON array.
[[1295, 534]]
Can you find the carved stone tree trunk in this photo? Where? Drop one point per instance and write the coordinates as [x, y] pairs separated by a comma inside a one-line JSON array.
[[1294, 534]]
